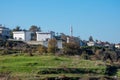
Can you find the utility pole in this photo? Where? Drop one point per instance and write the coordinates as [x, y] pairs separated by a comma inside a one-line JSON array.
[[71, 31]]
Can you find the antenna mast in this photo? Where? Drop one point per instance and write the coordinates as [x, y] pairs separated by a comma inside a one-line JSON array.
[[71, 31]]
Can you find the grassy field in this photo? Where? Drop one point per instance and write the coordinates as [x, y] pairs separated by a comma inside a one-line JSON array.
[[49, 66]]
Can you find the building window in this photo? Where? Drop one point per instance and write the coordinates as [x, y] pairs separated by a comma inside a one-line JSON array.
[[20, 38]]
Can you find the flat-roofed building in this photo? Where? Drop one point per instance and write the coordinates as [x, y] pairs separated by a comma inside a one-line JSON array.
[[22, 35], [4, 32], [45, 36]]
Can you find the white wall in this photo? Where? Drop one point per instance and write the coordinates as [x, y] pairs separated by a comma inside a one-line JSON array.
[[117, 46], [19, 35], [28, 36], [44, 36], [59, 44], [22, 35], [91, 43], [45, 43]]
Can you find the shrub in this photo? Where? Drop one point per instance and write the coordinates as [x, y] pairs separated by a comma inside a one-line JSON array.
[[42, 49], [84, 55], [52, 46], [98, 54], [5, 52], [71, 49]]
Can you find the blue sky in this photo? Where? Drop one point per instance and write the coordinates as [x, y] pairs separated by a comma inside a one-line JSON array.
[[97, 18]]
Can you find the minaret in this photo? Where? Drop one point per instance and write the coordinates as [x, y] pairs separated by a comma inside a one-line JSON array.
[[71, 31]]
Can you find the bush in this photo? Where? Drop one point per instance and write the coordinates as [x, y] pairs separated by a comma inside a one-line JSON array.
[[42, 49], [5, 52], [84, 55], [52, 46], [71, 49], [99, 54]]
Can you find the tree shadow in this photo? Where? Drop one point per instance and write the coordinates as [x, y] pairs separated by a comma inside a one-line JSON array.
[[111, 70]]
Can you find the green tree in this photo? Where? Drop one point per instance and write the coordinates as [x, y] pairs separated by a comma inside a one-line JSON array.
[[17, 28], [33, 29], [91, 38], [11, 34], [63, 36], [99, 54], [111, 55], [84, 55], [71, 48], [52, 46]]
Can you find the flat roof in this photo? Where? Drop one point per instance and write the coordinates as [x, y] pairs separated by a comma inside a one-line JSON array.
[[21, 31], [45, 32]]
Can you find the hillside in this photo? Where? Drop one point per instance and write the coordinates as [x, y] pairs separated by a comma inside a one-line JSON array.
[[24, 67]]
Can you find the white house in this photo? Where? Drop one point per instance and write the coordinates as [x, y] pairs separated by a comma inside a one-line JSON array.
[[91, 43], [44, 36], [117, 46], [22, 35], [4, 32]]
